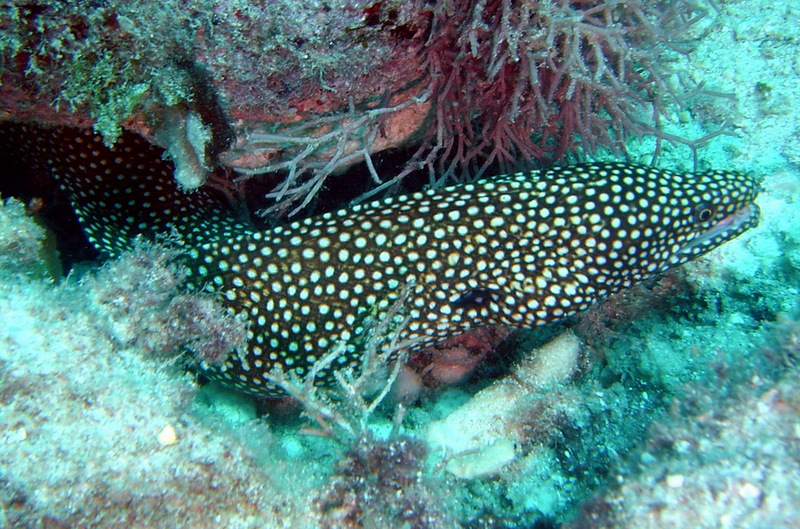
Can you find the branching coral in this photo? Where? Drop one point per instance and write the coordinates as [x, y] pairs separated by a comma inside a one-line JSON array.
[[472, 84], [343, 412], [536, 80], [378, 482], [505, 84], [322, 146]]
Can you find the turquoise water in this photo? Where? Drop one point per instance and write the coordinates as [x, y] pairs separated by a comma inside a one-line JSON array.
[[676, 404]]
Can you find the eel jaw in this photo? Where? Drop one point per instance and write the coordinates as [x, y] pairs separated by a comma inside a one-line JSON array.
[[731, 226], [724, 230]]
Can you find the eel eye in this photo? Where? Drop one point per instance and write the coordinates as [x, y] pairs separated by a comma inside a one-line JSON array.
[[703, 213]]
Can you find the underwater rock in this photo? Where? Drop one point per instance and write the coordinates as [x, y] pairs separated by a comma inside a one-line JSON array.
[[737, 466], [27, 248], [479, 438]]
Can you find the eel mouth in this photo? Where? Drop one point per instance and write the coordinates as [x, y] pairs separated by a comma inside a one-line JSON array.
[[735, 223], [724, 230], [729, 227]]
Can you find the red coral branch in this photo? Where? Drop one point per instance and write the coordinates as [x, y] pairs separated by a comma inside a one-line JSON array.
[[533, 81]]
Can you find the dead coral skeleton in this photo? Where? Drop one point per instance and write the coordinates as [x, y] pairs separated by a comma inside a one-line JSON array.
[[342, 413], [320, 147]]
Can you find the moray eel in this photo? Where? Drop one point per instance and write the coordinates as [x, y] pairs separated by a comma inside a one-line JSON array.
[[519, 250]]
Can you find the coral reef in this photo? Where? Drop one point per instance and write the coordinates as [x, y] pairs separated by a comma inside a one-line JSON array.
[[681, 408], [720, 466], [94, 433], [79, 384], [505, 84], [311, 89], [140, 296], [26, 247], [380, 484]]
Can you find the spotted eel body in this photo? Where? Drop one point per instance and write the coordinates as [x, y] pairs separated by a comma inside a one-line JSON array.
[[519, 250]]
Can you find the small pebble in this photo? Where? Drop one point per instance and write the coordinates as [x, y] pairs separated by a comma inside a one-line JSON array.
[[168, 436], [675, 481], [749, 491]]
